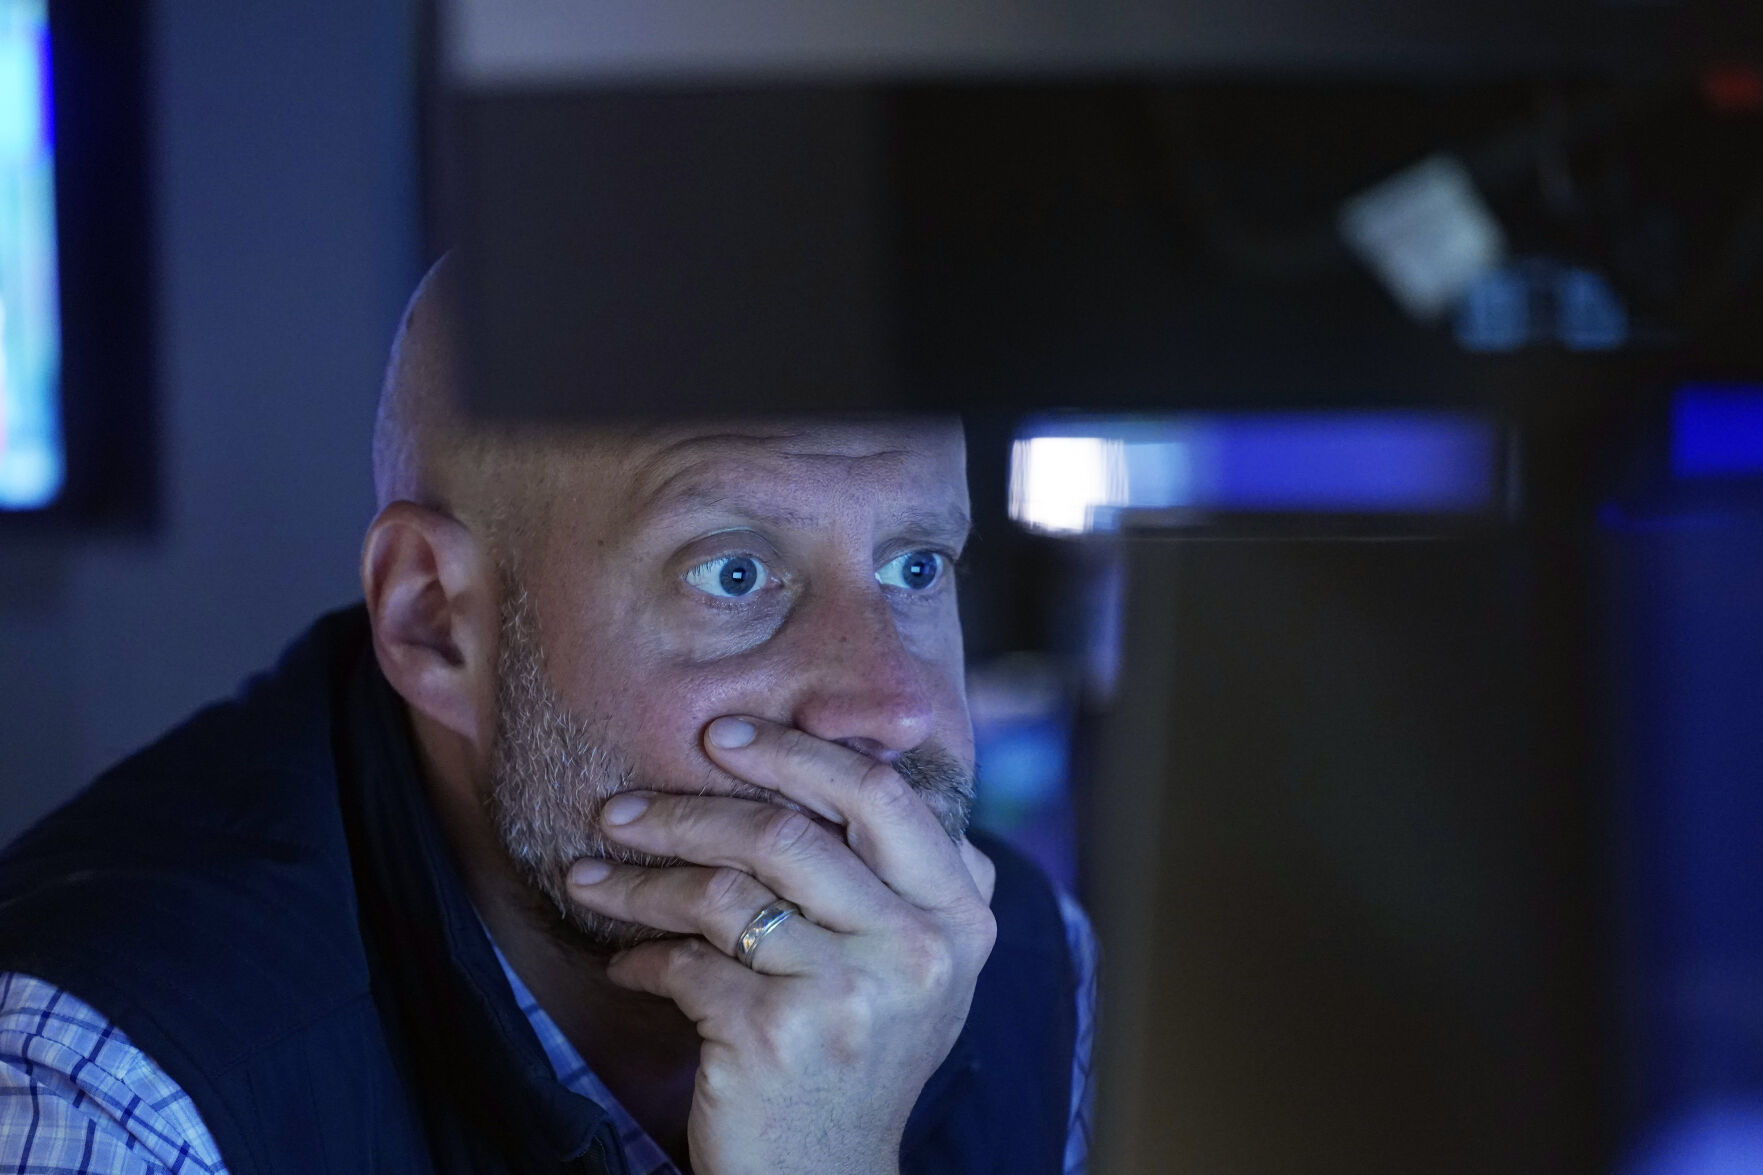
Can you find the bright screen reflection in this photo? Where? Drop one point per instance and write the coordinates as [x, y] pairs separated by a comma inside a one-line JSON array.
[[1073, 474], [31, 463]]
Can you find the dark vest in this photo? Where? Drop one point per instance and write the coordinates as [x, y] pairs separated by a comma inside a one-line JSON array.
[[263, 901]]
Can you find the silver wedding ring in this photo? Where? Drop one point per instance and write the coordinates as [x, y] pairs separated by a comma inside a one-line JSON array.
[[762, 924]]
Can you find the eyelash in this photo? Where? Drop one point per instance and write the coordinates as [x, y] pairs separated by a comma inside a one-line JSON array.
[[766, 576], [948, 564], [948, 575]]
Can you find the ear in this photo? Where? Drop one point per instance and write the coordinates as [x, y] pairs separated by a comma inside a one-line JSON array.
[[431, 597]]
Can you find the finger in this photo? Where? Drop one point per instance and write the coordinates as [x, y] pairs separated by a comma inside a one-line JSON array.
[[887, 823], [981, 869], [786, 850], [715, 904], [707, 985]]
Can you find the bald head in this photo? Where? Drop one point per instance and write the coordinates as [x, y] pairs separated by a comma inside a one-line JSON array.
[[505, 480], [497, 478], [420, 435], [420, 384]]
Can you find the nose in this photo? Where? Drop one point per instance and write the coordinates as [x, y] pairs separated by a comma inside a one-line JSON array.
[[860, 683]]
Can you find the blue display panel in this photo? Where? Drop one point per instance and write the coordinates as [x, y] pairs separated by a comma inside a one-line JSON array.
[[32, 459], [1717, 431]]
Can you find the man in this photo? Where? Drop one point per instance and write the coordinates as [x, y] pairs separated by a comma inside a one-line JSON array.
[[624, 825]]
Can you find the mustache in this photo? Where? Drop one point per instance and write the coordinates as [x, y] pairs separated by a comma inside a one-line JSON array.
[[946, 783]]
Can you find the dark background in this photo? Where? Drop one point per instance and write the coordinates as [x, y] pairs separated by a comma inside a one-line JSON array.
[[281, 150]]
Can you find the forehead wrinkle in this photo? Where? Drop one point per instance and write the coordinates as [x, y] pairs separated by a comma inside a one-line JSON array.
[[667, 479], [687, 481], [658, 473], [692, 499]]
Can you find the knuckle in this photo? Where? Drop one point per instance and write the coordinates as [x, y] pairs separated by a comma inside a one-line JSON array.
[[972, 932], [785, 1030], [926, 958], [838, 1024], [980, 867], [725, 890], [852, 1031], [719, 1084], [674, 961], [863, 997], [885, 790], [783, 832], [684, 961], [981, 930], [854, 1002], [790, 743]]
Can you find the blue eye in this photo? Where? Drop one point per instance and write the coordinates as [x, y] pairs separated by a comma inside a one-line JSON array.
[[729, 577], [915, 570]]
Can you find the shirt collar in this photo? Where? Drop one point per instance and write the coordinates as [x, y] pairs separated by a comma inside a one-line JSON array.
[[641, 1151]]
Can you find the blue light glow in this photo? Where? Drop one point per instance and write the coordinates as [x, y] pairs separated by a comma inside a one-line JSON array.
[[31, 455], [1075, 473], [1723, 1138], [1717, 432]]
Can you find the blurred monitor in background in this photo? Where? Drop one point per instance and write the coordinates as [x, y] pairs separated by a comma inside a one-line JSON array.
[[77, 438], [32, 456]]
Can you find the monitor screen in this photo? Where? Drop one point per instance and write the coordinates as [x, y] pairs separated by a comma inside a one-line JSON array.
[[32, 459]]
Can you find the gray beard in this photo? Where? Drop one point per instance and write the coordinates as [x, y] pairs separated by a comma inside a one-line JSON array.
[[552, 774]]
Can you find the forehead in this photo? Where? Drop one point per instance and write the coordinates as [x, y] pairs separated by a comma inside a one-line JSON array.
[[798, 470]]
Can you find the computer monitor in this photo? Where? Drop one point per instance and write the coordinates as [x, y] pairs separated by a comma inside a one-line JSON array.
[[76, 436], [32, 454]]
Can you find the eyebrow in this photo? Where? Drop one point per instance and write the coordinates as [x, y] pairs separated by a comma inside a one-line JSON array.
[[950, 526]]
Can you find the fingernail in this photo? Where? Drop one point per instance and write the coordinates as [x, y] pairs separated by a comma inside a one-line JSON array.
[[622, 809], [729, 733], [588, 871]]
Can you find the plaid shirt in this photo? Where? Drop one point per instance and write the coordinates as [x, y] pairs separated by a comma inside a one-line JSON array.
[[77, 1097]]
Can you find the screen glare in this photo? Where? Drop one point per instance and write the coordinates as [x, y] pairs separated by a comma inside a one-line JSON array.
[[31, 453]]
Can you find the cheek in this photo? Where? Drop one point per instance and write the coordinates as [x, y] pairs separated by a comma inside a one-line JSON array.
[[945, 672], [650, 693], [653, 694], [655, 711]]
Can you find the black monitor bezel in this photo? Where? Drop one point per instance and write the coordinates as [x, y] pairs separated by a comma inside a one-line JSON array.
[[104, 238]]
